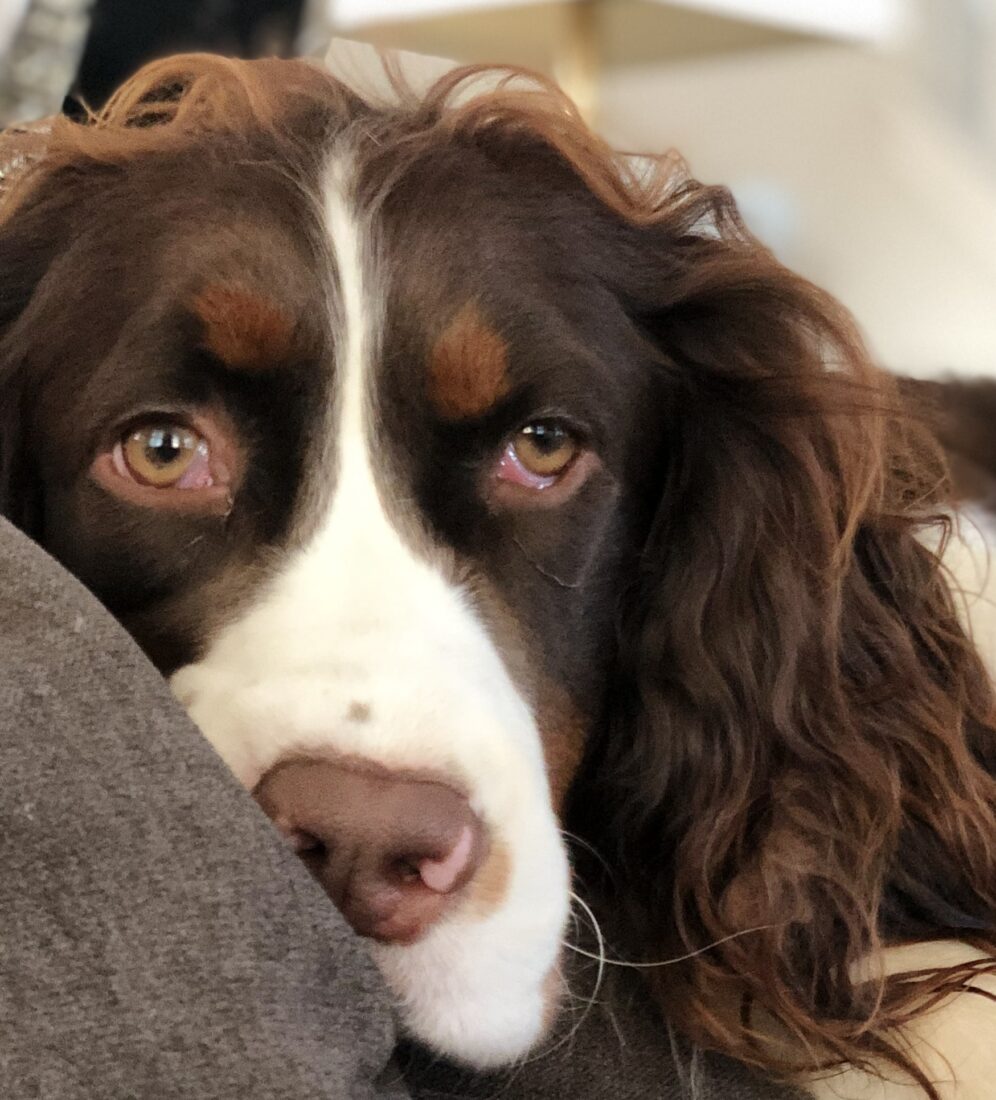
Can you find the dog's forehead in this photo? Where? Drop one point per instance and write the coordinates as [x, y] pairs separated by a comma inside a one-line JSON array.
[[181, 234], [466, 266], [236, 255], [461, 240], [447, 254]]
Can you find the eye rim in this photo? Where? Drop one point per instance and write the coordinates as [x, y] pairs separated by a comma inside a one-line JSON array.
[[538, 491], [226, 458]]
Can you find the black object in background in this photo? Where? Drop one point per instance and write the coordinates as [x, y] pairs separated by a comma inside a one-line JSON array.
[[124, 34]]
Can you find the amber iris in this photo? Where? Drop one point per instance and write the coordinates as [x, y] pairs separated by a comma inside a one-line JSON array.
[[160, 454], [545, 448]]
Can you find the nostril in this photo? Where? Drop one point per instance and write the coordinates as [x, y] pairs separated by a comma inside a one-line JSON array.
[[305, 844], [443, 875], [404, 870], [440, 874]]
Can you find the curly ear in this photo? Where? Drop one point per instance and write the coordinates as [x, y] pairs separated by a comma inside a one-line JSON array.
[[17, 282], [799, 758], [32, 223]]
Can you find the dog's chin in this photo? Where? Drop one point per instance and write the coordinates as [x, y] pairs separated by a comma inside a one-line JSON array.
[[484, 991], [463, 999]]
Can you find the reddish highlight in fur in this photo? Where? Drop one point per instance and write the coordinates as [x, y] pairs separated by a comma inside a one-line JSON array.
[[242, 328], [468, 366]]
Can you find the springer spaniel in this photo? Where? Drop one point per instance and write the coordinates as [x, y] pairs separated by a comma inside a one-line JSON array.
[[467, 481]]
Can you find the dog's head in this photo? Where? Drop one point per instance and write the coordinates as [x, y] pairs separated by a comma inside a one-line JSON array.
[[431, 449], [322, 404]]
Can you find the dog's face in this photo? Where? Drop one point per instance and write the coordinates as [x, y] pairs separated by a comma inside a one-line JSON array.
[[419, 445], [356, 445]]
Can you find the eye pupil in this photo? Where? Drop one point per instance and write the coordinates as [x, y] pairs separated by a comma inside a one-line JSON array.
[[163, 446]]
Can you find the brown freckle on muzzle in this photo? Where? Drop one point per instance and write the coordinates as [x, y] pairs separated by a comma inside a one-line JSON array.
[[358, 712], [468, 366], [244, 329]]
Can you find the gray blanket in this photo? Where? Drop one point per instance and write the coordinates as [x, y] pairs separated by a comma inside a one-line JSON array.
[[158, 940]]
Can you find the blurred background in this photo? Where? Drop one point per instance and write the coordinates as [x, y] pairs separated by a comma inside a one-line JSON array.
[[859, 136]]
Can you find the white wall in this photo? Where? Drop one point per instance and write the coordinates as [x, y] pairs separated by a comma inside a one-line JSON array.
[[859, 183]]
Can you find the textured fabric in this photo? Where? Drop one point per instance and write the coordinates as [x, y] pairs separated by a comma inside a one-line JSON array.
[[156, 937]]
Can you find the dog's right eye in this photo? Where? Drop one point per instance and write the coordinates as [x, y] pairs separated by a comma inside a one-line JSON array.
[[174, 463], [165, 456]]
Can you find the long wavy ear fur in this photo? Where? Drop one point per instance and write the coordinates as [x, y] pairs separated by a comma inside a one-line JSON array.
[[27, 246], [962, 411], [35, 225], [800, 757]]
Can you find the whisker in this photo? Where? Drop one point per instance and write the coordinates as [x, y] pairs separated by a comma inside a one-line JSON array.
[[600, 956], [603, 961]]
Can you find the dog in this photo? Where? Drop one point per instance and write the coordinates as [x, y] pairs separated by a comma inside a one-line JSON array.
[[474, 485]]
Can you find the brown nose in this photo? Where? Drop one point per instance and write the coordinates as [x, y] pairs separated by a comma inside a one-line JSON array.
[[391, 851]]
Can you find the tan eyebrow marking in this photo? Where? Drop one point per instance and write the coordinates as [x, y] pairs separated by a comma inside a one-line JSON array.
[[242, 327], [468, 366]]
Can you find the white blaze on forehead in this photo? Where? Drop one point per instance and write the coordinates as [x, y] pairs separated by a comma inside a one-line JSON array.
[[357, 617], [355, 330]]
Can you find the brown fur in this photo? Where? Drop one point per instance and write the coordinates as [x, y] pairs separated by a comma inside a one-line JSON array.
[[797, 764], [564, 732], [242, 327], [468, 366], [962, 411]]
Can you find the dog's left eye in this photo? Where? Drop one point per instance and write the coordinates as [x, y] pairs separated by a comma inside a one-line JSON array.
[[539, 454], [165, 456]]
